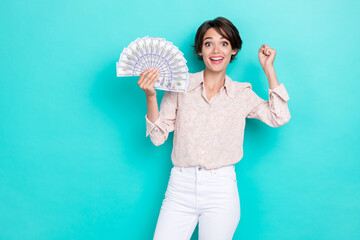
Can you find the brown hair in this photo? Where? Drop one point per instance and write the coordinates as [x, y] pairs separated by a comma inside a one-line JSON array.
[[231, 34]]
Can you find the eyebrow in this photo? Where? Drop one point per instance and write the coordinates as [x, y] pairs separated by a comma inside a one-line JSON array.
[[212, 38]]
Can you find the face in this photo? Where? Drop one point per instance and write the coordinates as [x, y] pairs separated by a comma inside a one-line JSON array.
[[216, 51]]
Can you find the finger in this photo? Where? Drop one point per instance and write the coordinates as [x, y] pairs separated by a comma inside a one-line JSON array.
[[156, 77], [264, 51], [150, 85], [146, 71], [267, 51], [149, 77], [272, 51], [142, 75]]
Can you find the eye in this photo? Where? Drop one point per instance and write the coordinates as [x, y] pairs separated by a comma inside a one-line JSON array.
[[225, 43], [206, 44]]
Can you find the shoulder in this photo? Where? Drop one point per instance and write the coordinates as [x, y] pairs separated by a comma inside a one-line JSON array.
[[241, 87], [194, 80], [191, 75], [194, 76]]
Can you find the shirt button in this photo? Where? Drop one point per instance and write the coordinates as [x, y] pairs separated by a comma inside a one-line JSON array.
[[199, 168]]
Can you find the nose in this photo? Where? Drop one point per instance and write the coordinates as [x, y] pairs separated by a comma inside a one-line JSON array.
[[216, 49]]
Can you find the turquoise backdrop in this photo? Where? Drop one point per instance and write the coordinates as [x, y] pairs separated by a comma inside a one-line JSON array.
[[74, 159]]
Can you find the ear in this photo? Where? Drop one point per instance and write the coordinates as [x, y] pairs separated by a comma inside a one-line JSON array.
[[234, 51]]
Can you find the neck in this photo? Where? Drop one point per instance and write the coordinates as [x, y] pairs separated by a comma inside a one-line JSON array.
[[214, 80]]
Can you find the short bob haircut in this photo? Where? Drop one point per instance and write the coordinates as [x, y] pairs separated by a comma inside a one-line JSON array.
[[231, 34]]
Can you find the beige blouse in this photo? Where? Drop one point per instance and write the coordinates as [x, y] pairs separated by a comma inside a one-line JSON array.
[[211, 133]]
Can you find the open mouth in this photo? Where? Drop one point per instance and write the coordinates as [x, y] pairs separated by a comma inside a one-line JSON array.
[[216, 60]]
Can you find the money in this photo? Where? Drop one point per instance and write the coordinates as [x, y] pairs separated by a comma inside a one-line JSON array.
[[153, 52]]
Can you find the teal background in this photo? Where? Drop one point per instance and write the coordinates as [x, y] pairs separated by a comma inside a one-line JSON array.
[[74, 159]]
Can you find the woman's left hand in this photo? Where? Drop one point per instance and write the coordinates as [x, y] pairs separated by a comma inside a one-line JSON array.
[[266, 56]]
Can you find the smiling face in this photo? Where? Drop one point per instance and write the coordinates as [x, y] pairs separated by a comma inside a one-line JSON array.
[[216, 51]]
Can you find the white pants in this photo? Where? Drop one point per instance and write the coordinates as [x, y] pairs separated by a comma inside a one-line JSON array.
[[195, 194]]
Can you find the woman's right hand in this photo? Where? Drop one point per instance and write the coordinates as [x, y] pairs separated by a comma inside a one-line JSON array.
[[147, 83]]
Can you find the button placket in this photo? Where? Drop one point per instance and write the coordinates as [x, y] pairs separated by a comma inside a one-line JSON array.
[[205, 135]]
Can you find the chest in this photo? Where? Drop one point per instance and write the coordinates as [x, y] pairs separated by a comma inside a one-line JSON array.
[[201, 108], [211, 93]]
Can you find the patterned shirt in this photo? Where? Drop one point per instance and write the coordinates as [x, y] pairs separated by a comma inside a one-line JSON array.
[[211, 133]]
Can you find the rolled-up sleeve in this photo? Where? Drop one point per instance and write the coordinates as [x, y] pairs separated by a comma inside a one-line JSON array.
[[274, 112], [160, 129]]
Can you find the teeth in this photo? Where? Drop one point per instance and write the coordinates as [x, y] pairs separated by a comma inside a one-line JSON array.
[[216, 58]]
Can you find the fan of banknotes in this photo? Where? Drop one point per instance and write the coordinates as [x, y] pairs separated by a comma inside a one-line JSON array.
[[154, 52]]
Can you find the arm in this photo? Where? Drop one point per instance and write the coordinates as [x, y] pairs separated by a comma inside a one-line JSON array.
[[274, 112], [152, 108], [160, 124]]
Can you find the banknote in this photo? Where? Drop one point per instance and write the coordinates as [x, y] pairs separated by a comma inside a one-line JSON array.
[[154, 52]]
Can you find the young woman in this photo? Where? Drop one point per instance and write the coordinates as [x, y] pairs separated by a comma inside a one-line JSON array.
[[208, 123]]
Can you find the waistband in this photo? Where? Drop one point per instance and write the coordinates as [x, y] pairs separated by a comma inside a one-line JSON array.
[[200, 168]]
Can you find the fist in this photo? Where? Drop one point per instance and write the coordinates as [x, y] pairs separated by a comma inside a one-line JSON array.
[[266, 55]]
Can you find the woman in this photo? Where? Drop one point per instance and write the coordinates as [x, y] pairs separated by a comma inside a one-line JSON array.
[[208, 123]]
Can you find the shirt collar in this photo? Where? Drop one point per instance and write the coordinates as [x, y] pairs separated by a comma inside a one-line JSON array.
[[198, 78]]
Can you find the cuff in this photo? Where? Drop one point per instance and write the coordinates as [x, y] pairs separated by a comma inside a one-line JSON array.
[[280, 91], [151, 125]]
